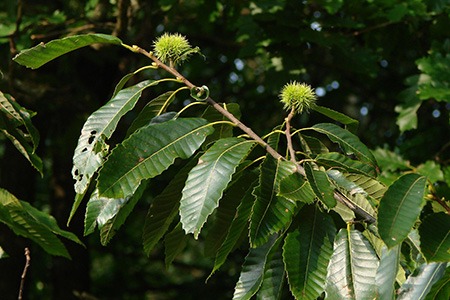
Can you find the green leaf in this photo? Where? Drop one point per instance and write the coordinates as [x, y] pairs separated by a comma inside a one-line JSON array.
[[207, 181], [174, 243], [111, 226], [342, 162], [349, 142], [43, 53], [296, 188], [311, 145], [236, 228], [242, 183], [441, 289], [321, 186], [154, 108], [274, 275], [400, 207], [431, 170], [164, 209], [435, 78], [33, 224], [419, 284], [3, 254], [270, 213], [148, 152], [352, 268], [252, 273], [221, 130], [390, 161], [351, 123], [92, 148], [387, 272], [12, 118], [407, 115], [307, 251], [435, 237]]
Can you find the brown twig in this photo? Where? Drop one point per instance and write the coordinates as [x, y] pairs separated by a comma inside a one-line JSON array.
[[339, 197], [24, 273]]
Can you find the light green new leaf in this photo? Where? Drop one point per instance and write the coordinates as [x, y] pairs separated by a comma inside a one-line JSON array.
[[92, 148], [236, 228], [207, 181], [419, 284], [274, 275], [174, 243], [321, 185], [390, 160], [351, 123], [43, 53], [435, 237], [352, 268], [342, 162], [148, 152], [252, 273], [400, 207], [387, 272], [296, 188], [307, 251], [270, 213], [349, 142], [164, 209], [109, 229], [33, 224], [441, 289]]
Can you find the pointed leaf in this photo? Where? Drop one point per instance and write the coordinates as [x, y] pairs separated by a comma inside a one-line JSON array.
[[419, 284], [349, 142], [207, 181], [274, 275], [312, 145], [109, 229], [337, 160], [238, 224], [296, 188], [321, 185], [352, 268], [270, 213], [43, 53], [92, 148], [33, 224], [164, 209], [252, 273], [387, 272], [435, 237], [351, 123], [307, 251], [400, 207], [148, 152], [174, 243]]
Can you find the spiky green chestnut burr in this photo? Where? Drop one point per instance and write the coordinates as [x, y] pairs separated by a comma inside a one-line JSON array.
[[297, 97], [173, 48]]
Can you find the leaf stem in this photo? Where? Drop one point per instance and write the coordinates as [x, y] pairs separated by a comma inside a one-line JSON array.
[[289, 137]]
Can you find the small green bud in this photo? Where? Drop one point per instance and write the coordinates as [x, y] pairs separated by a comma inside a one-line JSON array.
[[297, 96], [173, 48]]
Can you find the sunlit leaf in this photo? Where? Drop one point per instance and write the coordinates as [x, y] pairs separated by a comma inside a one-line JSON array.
[[435, 237], [44, 52], [270, 213], [307, 251], [340, 161], [207, 181], [441, 289], [419, 284], [92, 148], [148, 152], [390, 160], [252, 273], [400, 207], [352, 268], [387, 272]]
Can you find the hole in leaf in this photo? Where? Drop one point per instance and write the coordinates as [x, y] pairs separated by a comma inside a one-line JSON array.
[[91, 139], [76, 172], [84, 150], [93, 132]]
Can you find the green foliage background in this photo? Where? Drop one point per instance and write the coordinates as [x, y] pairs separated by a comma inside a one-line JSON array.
[[385, 63]]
